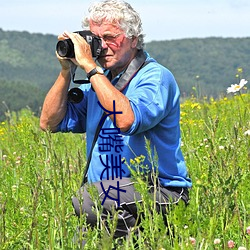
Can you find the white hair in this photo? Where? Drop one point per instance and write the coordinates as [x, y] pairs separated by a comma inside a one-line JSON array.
[[120, 13]]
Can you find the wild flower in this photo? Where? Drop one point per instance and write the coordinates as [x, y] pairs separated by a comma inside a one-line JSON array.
[[240, 70], [2, 131], [192, 240], [132, 162], [195, 105], [217, 241], [248, 230], [236, 87], [198, 182], [22, 209], [230, 244], [45, 216], [4, 157], [242, 248], [247, 133]]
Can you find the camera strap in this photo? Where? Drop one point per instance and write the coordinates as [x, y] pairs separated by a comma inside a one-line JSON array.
[[136, 64]]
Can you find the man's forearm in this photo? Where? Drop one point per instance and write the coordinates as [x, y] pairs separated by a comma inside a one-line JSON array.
[[55, 103], [106, 94]]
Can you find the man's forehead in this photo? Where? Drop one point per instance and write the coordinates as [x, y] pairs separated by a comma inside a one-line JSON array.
[[104, 27]]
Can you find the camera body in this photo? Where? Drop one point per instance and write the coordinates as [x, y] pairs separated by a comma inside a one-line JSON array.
[[65, 48]]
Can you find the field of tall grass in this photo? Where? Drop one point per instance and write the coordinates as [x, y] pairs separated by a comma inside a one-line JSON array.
[[40, 172]]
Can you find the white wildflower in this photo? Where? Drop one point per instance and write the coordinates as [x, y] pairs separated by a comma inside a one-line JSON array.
[[217, 241], [236, 87], [247, 133], [242, 248], [22, 210]]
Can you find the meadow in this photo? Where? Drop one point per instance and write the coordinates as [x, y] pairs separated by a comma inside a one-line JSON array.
[[40, 172]]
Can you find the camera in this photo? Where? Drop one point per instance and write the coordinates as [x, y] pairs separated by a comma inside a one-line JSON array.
[[65, 48]]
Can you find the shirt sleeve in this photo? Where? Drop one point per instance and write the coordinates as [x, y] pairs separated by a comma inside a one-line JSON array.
[[152, 98]]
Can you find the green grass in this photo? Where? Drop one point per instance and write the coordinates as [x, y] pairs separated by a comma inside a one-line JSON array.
[[40, 172]]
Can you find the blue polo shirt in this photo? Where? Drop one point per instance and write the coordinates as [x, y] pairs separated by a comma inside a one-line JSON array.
[[154, 97]]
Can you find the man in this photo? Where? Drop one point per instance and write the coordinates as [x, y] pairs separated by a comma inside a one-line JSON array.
[[141, 101]]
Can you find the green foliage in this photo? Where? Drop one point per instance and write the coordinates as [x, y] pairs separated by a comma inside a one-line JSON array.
[[14, 95], [202, 67], [208, 62], [28, 68], [40, 172], [28, 58]]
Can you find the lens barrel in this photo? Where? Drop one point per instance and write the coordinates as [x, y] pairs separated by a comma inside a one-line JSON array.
[[75, 95], [65, 48]]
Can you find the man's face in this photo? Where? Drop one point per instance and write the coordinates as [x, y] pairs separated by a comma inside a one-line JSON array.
[[118, 50]]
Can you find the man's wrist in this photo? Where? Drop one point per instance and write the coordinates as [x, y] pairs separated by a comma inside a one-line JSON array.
[[96, 70], [65, 73]]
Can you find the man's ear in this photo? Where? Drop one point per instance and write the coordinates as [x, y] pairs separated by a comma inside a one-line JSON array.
[[134, 42]]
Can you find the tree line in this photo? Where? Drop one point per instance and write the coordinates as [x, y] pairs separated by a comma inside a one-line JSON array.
[[202, 67]]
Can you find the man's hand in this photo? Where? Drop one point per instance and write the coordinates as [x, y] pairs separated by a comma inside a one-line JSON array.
[[66, 63], [83, 54]]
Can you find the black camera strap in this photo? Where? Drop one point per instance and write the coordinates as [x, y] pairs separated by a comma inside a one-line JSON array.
[[136, 64]]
